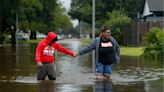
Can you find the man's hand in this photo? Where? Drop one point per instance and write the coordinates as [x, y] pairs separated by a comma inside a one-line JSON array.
[[75, 54], [39, 64]]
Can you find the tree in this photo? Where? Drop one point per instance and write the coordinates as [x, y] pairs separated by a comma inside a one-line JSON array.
[[7, 16], [48, 12], [42, 15], [62, 20], [81, 9], [117, 19], [29, 16]]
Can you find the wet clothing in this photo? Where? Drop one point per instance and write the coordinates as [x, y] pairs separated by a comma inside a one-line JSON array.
[[114, 52], [103, 69], [46, 69], [106, 52], [45, 54]]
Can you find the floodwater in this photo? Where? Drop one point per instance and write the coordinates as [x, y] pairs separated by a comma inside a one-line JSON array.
[[18, 72]]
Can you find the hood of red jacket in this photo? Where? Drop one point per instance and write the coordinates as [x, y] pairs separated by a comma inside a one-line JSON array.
[[50, 37]]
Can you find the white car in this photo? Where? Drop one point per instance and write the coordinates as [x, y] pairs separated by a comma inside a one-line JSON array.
[[41, 36], [22, 36]]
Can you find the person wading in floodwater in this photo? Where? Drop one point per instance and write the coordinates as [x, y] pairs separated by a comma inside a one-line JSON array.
[[107, 53], [45, 56]]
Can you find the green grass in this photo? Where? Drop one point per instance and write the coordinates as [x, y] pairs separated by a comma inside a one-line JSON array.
[[131, 51], [29, 41], [85, 40], [124, 50]]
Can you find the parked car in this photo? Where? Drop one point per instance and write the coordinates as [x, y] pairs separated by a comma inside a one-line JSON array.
[[41, 36], [60, 37], [22, 36], [69, 36]]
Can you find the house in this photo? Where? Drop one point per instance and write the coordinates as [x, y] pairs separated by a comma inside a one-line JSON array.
[[153, 11], [151, 15]]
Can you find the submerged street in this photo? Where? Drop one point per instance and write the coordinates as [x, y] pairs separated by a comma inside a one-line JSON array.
[[18, 72]]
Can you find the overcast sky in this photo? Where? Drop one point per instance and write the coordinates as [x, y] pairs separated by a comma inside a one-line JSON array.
[[66, 4]]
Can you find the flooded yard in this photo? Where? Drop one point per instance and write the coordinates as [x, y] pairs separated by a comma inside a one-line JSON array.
[[18, 72]]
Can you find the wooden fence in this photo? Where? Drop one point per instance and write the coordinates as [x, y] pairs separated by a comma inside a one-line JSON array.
[[135, 32]]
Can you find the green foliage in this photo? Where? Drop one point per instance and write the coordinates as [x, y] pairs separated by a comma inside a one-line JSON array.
[[82, 9], [42, 15], [7, 11], [117, 19], [33, 15], [32, 26], [61, 20], [154, 43]]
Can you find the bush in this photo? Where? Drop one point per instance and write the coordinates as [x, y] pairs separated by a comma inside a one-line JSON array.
[[154, 43]]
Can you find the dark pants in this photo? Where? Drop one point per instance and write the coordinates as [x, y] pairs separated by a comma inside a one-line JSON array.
[[48, 69]]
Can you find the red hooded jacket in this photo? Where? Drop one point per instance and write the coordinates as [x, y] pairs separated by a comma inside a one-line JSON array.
[[45, 53]]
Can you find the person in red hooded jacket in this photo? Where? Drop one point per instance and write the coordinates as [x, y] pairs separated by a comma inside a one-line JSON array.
[[45, 56]]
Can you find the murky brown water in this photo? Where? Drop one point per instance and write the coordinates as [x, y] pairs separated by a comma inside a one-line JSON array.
[[18, 72]]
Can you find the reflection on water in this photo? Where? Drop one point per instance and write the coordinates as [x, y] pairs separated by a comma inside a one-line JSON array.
[[104, 86], [47, 86], [18, 72], [74, 88], [10, 68]]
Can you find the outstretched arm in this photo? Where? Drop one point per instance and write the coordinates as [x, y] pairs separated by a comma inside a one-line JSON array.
[[64, 50], [88, 48]]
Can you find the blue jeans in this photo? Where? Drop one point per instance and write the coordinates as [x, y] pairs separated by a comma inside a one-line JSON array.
[[103, 69]]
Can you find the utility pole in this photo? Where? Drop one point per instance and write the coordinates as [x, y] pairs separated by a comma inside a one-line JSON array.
[[93, 33], [93, 37], [81, 29], [16, 31]]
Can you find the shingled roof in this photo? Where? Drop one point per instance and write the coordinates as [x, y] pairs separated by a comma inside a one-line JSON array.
[[156, 5]]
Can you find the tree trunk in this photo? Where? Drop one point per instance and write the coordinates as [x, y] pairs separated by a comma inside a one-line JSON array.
[[33, 35], [13, 40]]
